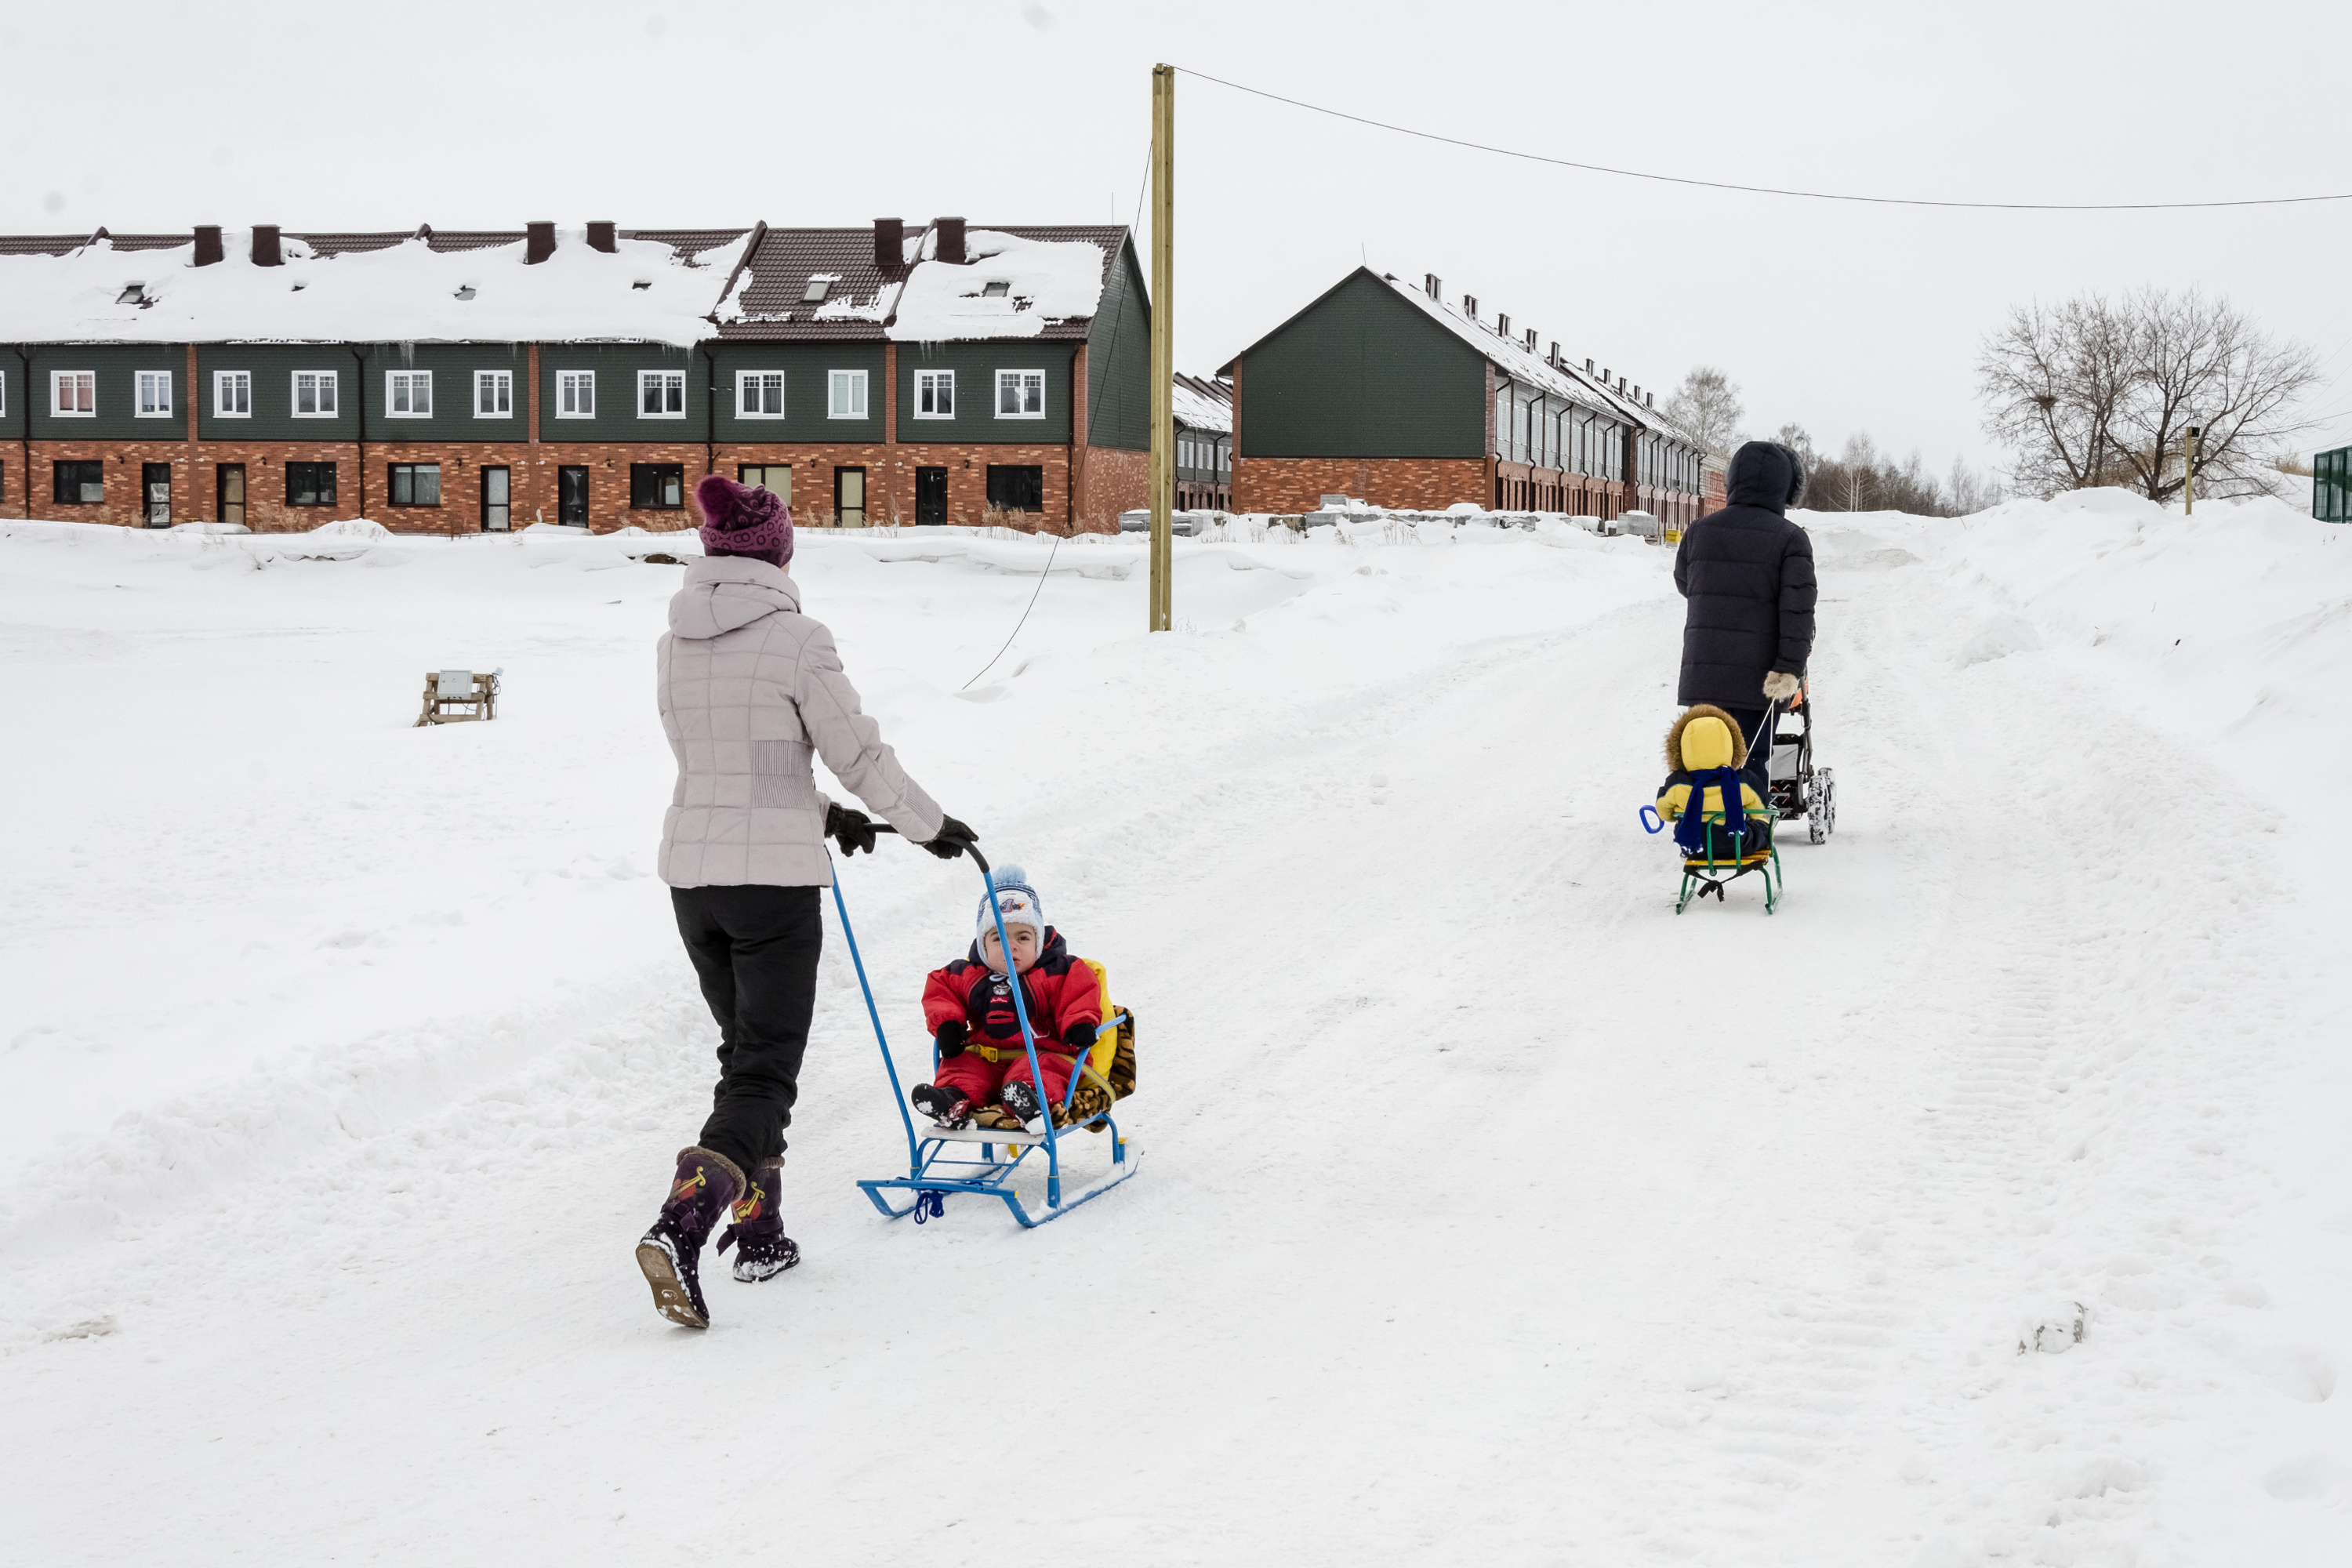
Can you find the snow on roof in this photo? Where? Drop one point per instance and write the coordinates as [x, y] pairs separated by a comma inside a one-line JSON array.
[[1010, 287], [646, 291], [1050, 283], [1204, 405], [1522, 364]]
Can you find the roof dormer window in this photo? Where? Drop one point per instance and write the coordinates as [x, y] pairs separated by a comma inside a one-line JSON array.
[[995, 289], [466, 292], [133, 294], [819, 284]]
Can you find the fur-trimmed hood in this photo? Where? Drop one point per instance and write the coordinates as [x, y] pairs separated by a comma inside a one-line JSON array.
[[1698, 711]]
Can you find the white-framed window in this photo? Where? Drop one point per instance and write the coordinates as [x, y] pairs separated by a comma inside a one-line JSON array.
[[233, 394], [935, 394], [73, 393], [1020, 395], [155, 395], [315, 394], [661, 395], [846, 395], [494, 395], [759, 394], [409, 393], [575, 395]]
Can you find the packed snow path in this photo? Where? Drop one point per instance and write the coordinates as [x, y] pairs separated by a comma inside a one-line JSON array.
[[1490, 1212]]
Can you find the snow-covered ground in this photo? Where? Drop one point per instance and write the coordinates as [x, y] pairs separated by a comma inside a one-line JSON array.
[[1489, 1212]]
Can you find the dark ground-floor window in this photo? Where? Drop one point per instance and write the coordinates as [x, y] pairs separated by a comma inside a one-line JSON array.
[[416, 484], [657, 487], [309, 484], [1016, 487], [82, 484]]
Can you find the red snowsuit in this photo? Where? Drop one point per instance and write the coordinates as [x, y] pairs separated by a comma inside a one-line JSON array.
[[1060, 992]]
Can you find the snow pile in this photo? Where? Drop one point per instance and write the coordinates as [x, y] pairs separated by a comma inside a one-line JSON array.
[[407, 292]]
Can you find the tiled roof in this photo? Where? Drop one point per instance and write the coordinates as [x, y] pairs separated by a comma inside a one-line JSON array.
[[689, 243], [788, 258]]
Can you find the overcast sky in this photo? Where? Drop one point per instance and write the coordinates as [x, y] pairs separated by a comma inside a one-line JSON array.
[[143, 115]]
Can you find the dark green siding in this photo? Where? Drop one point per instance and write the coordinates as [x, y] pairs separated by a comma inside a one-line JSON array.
[[975, 366], [117, 366], [452, 366], [616, 366], [12, 395], [1362, 374], [1119, 362], [806, 368], [272, 367]]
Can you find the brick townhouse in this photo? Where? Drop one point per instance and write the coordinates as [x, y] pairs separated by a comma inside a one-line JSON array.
[[441, 381], [1203, 412], [1390, 394]]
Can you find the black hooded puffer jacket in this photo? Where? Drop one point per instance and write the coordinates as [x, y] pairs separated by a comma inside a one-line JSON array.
[[1748, 573]]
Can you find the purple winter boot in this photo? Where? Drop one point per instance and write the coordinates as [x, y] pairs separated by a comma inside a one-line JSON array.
[[671, 1253], [763, 1249]]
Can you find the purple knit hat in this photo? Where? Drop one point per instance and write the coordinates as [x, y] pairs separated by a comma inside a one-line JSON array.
[[744, 520]]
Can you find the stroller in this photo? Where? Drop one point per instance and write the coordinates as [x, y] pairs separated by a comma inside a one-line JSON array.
[[1799, 790]]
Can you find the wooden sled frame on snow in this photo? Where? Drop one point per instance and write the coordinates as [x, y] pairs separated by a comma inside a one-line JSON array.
[[939, 1160], [448, 688]]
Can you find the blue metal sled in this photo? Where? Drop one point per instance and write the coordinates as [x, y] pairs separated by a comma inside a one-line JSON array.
[[941, 1161]]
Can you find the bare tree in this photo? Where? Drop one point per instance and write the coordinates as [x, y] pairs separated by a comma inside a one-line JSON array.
[[1707, 405], [2095, 392]]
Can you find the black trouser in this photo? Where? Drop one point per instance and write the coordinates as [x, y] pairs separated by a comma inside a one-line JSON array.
[[1758, 769], [754, 950]]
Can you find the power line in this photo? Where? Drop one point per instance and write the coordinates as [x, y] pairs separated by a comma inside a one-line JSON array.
[[1769, 190]]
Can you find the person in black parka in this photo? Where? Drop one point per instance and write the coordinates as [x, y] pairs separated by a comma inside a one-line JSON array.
[[1748, 573]]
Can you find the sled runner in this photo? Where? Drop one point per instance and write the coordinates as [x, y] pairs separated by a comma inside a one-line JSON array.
[[1799, 790], [982, 1160]]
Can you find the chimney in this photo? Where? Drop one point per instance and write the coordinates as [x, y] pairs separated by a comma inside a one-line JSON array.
[[208, 244], [1555, 353], [1588, 367], [264, 245], [539, 242], [1503, 323], [890, 244], [1531, 339], [601, 237], [1652, 400], [1470, 306], [1429, 280], [951, 240]]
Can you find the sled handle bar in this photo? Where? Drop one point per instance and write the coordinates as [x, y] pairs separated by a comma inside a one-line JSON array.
[[970, 849]]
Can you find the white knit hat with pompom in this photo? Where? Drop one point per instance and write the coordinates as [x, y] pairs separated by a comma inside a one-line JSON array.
[[1015, 899]]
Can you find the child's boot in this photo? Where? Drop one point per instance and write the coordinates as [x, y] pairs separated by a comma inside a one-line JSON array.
[[1020, 1097], [762, 1251], [671, 1253], [943, 1104]]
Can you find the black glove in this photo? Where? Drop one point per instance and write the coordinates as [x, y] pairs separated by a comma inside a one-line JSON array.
[[853, 830], [954, 839], [1079, 1036], [951, 1038]]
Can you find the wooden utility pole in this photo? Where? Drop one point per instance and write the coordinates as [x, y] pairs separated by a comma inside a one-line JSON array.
[[2188, 478], [1164, 341]]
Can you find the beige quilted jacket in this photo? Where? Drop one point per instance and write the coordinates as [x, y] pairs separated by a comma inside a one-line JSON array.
[[750, 689]]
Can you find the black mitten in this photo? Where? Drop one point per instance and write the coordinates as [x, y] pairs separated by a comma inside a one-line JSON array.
[[1079, 1036], [951, 1038], [954, 839], [853, 830]]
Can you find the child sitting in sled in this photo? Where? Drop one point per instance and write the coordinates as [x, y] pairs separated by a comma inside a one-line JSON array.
[[968, 1009], [1705, 751]]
